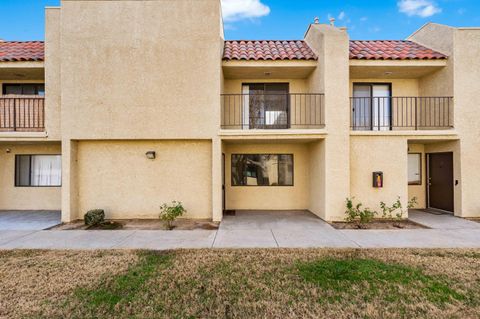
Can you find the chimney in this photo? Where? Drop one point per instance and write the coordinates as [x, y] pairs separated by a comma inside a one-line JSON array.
[[332, 22], [316, 20]]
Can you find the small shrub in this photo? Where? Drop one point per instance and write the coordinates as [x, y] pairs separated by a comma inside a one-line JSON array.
[[94, 217], [366, 215], [168, 213], [356, 214], [396, 211], [352, 211]]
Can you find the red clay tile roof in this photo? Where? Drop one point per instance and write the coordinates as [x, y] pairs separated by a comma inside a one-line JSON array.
[[14, 51], [267, 50], [392, 50]]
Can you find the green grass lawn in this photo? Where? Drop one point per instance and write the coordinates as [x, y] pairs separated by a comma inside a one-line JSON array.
[[241, 284]]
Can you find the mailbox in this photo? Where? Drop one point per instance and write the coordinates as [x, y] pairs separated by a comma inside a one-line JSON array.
[[378, 179]]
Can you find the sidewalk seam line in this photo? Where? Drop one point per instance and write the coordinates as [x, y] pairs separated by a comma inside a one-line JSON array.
[[121, 241], [215, 238], [349, 239], [276, 242], [23, 236]]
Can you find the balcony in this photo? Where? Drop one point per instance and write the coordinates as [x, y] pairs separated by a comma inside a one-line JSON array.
[[401, 113], [22, 113], [272, 111]]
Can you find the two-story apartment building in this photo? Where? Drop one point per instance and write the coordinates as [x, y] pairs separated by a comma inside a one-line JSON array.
[[130, 104]]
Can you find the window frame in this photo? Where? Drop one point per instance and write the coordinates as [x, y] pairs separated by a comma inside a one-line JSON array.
[[265, 85], [278, 168], [30, 172], [420, 169], [371, 85], [4, 88]]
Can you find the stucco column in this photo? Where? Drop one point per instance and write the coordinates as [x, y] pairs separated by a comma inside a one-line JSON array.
[[69, 181], [332, 77], [217, 209]]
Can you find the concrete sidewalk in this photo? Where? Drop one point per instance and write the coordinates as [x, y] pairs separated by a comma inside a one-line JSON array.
[[285, 230], [263, 238]]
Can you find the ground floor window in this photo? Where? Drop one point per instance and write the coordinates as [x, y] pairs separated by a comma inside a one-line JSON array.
[[262, 170], [38, 170], [415, 169]]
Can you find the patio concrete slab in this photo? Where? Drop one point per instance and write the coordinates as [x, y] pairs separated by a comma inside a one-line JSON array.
[[28, 220], [160, 240], [273, 220], [242, 238], [69, 239], [441, 221]]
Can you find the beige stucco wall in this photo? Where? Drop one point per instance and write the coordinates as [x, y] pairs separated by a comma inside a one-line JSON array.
[[332, 78], [467, 114], [52, 73], [387, 154], [140, 69], [270, 197], [459, 79], [117, 176], [316, 171], [31, 198]]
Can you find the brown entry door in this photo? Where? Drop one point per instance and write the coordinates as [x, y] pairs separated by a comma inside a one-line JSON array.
[[440, 181]]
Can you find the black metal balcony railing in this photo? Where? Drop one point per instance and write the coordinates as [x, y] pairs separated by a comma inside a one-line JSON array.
[[23, 114], [401, 113], [272, 111]]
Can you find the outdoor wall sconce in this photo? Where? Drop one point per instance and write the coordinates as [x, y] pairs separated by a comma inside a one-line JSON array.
[[8, 151], [151, 155]]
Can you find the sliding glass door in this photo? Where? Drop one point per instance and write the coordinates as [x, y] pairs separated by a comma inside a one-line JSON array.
[[265, 106], [371, 107]]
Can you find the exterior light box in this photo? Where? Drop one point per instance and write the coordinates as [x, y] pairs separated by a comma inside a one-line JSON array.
[[377, 179]]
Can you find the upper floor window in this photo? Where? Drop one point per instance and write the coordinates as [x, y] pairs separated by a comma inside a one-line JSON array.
[[371, 106], [265, 105], [24, 89]]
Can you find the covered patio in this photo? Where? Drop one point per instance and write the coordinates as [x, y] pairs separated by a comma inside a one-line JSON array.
[[29, 219]]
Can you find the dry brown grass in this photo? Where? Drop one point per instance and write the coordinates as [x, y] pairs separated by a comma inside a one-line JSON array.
[[36, 282], [231, 284]]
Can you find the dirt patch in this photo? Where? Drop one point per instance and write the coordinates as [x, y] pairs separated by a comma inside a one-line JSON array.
[[379, 224], [35, 282], [145, 224], [473, 219]]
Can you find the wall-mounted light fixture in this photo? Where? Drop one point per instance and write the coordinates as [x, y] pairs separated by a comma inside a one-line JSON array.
[[8, 150], [151, 155], [378, 179]]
